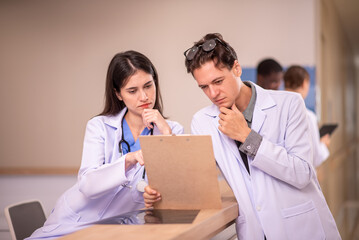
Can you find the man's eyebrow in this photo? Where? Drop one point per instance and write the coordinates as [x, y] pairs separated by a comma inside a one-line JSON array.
[[218, 78], [214, 80]]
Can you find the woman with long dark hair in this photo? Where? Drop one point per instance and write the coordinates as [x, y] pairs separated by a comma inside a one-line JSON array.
[[112, 177]]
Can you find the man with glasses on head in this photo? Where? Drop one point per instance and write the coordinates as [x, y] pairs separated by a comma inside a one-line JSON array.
[[262, 146]]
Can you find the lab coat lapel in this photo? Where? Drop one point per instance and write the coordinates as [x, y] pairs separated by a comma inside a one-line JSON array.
[[115, 122], [227, 140], [258, 119], [263, 102]]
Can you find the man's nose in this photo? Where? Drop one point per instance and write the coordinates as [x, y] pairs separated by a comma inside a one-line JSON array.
[[213, 91]]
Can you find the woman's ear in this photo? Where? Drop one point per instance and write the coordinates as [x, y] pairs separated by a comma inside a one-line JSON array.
[[118, 95]]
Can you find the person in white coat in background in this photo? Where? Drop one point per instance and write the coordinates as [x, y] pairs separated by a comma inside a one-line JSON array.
[[111, 176], [297, 79], [261, 143]]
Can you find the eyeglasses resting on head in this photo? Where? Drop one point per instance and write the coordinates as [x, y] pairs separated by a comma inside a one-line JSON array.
[[207, 46]]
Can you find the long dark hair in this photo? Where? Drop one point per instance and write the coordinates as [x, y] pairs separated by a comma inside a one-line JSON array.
[[122, 66]]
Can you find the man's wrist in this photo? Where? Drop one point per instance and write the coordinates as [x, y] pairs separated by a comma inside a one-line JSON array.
[[251, 144], [243, 136]]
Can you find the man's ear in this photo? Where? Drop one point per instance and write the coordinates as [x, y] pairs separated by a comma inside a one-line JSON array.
[[237, 69]]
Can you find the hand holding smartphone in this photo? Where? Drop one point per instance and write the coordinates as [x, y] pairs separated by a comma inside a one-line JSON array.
[[327, 129]]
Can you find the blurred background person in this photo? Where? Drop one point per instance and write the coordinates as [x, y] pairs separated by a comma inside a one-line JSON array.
[[296, 79], [269, 74]]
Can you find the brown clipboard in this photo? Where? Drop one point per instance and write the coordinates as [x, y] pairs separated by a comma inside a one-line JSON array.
[[183, 169]]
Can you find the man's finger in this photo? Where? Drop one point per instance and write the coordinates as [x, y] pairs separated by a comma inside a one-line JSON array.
[[221, 122], [220, 128], [234, 108], [221, 116], [225, 110]]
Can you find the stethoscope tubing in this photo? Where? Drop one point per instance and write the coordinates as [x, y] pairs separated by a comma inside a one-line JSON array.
[[123, 140]]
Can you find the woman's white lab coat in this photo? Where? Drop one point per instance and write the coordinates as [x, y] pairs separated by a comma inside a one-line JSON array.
[[281, 197], [103, 188]]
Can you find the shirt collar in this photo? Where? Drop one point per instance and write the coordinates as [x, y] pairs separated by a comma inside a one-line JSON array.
[[248, 112]]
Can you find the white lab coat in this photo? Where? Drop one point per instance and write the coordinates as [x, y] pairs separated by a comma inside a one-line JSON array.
[[281, 197], [99, 192], [320, 150]]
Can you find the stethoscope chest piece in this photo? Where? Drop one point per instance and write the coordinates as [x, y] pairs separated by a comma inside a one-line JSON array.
[[141, 185]]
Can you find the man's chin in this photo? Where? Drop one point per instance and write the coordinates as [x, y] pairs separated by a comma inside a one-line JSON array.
[[226, 105]]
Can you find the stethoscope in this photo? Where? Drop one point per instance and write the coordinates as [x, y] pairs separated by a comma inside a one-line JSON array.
[[142, 183]]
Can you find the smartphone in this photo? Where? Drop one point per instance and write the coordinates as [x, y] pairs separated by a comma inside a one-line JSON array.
[[327, 129]]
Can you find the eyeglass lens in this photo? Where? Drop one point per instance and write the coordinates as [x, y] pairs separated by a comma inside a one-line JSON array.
[[207, 46], [192, 52]]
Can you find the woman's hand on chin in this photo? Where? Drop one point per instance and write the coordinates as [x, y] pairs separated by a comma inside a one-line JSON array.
[[153, 116]]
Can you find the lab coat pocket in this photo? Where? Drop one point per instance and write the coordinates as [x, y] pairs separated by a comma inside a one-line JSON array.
[[303, 222]]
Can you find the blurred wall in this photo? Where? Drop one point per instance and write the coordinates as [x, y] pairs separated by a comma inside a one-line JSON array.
[[55, 54], [339, 80]]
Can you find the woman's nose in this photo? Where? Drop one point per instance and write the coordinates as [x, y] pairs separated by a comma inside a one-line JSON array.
[[144, 96]]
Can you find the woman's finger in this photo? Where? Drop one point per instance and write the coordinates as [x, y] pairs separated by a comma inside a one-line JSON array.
[[151, 196], [140, 158], [150, 190], [152, 200]]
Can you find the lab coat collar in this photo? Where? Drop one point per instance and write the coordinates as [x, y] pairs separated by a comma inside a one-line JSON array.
[[264, 99], [264, 102], [115, 120]]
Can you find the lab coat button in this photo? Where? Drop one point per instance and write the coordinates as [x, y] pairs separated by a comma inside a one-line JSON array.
[[258, 208], [249, 147]]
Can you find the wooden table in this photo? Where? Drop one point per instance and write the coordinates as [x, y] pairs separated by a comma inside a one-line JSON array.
[[207, 224]]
